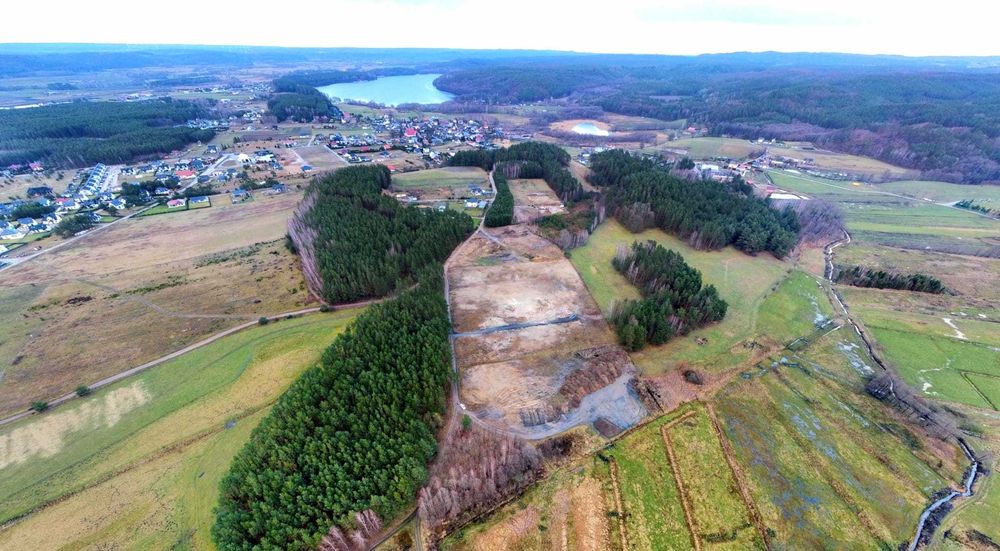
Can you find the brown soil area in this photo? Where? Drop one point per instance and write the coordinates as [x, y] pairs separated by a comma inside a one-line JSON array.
[[516, 376], [508, 534], [533, 199], [589, 519]]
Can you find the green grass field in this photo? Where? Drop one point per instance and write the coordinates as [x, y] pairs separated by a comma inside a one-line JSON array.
[[819, 452], [943, 192], [876, 215], [742, 280], [718, 509], [163, 209], [654, 516], [139, 462], [441, 177]]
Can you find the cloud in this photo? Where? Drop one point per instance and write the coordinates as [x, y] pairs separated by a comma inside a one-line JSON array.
[[962, 27]]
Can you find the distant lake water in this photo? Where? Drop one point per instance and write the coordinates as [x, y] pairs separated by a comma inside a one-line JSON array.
[[590, 129], [390, 90]]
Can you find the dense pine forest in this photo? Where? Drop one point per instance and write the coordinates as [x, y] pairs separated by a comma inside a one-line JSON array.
[[356, 243], [532, 160], [85, 133], [674, 301], [348, 444], [859, 276], [708, 215], [501, 212]]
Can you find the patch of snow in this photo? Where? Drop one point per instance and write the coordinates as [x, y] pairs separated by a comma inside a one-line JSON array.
[[958, 332]]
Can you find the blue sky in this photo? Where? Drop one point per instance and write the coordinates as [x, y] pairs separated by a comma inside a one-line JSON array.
[[915, 27]]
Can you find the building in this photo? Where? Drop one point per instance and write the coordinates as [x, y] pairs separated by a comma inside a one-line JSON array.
[[176, 203]]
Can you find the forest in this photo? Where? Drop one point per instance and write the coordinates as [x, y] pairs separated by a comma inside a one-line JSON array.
[[501, 212], [528, 160], [941, 117], [85, 133], [708, 215], [859, 276], [302, 106], [673, 299], [356, 243], [348, 444]]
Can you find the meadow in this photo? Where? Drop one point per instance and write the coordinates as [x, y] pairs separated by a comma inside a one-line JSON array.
[[139, 290], [136, 465], [807, 435], [743, 281]]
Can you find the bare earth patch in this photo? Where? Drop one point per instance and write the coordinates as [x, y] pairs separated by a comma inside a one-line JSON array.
[[542, 379]]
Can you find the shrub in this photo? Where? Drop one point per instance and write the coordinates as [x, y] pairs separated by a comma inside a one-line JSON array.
[[263, 320], [83, 390], [39, 406]]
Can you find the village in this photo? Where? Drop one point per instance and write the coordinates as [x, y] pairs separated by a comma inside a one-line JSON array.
[[251, 155]]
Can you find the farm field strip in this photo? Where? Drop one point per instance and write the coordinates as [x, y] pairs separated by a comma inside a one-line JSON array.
[[153, 436]]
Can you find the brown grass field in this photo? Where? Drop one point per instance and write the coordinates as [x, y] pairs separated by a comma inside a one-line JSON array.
[[533, 199], [139, 290]]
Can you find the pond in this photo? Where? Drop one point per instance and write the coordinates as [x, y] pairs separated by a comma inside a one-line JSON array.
[[590, 129], [390, 91]]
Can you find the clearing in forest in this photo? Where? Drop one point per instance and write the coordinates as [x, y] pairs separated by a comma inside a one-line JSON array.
[[533, 199]]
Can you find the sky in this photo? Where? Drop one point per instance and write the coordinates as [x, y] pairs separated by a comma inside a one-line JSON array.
[[914, 27]]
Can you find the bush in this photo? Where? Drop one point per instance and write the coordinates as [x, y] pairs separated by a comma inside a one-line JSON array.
[[263, 320], [83, 390], [39, 406]]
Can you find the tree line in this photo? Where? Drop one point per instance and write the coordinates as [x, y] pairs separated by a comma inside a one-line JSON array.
[[539, 159], [85, 133], [348, 444], [356, 242], [860, 276], [501, 211], [708, 215], [673, 299], [303, 105]]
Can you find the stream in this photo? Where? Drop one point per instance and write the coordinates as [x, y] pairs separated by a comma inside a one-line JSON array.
[[969, 453]]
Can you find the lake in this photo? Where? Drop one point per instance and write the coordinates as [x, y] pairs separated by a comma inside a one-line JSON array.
[[390, 90], [590, 129]]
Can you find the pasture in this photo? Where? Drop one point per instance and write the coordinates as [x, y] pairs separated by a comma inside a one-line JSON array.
[[138, 463], [139, 290], [743, 281], [877, 216], [824, 461]]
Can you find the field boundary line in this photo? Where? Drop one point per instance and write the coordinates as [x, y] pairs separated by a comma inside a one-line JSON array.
[[616, 489], [159, 453], [688, 514], [738, 476], [175, 354]]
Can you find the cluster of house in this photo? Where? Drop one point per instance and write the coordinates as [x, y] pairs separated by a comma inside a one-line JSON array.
[[414, 135], [17, 168], [261, 156]]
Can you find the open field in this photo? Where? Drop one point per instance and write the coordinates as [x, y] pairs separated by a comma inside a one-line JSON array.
[[441, 183], [742, 280], [531, 344], [139, 290], [17, 186], [943, 192], [734, 148], [825, 461], [627, 497], [320, 157], [137, 464], [975, 279], [876, 216], [533, 199]]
